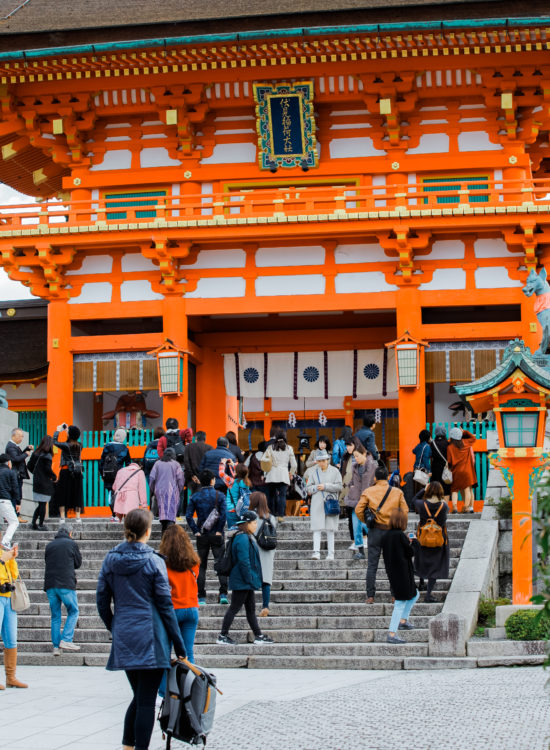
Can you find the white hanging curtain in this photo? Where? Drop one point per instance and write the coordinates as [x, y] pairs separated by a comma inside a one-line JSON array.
[[370, 372], [311, 375], [280, 375], [340, 373]]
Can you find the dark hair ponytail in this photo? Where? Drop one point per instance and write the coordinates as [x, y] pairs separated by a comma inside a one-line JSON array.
[[137, 523]]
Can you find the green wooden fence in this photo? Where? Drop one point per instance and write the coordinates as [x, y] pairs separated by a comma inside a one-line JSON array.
[[479, 430], [33, 422]]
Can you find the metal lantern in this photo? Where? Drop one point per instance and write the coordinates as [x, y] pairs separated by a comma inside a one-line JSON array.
[[170, 364], [407, 360], [520, 429]]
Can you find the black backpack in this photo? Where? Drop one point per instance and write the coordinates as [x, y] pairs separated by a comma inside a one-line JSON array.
[[224, 564], [74, 462], [173, 440], [187, 711], [110, 468], [267, 535]]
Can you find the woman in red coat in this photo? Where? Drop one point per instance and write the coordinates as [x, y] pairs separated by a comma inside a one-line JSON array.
[[460, 456]]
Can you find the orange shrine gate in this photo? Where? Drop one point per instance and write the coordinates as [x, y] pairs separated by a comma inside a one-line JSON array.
[[280, 206]]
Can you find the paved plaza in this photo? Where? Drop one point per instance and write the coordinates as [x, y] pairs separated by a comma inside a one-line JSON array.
[[500, 709]]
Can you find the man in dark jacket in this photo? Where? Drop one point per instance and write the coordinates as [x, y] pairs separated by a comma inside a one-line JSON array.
[[194, 453], [203, 503], [19, 460], [366, 436], [62, 559], [234, 447], [9, 499], [212, 459]]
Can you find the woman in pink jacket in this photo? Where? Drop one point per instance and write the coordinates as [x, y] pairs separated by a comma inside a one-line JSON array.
[[130, 488]]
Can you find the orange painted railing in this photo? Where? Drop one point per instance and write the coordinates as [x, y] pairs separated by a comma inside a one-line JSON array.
[[341, 200]]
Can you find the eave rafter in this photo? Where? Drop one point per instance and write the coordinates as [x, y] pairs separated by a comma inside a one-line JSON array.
[[326, 48]]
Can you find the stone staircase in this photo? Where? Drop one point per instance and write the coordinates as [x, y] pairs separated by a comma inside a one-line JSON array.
[[318, 616]]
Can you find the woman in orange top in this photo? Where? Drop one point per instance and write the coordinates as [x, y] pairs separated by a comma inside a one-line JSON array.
[[460, 457], [182, 564]]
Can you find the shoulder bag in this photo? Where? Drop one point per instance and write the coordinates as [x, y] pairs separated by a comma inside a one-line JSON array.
[[331, 502], [20, 600], [446, 474], [421, 476], [371, 515], [213, 517], [266, 461]]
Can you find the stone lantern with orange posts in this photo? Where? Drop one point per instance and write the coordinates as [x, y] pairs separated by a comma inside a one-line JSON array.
[[518, 391]]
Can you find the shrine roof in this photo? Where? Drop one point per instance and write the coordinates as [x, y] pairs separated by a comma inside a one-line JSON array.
[[23, 341], [48, 23], [516, 356]]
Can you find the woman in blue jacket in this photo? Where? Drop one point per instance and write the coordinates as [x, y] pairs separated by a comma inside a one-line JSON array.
[[245, 578], [142, 623]]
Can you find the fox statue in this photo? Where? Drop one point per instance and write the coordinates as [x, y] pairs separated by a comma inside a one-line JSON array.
[[537, 285]]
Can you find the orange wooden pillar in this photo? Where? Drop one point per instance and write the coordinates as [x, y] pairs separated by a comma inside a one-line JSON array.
[[522, 531], [412, 401], [60, 371], [214, 407], [175, 328]]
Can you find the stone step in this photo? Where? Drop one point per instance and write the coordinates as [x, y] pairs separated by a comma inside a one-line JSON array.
[[325, 649]]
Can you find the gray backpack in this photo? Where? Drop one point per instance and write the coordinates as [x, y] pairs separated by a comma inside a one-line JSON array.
[[187, 711]]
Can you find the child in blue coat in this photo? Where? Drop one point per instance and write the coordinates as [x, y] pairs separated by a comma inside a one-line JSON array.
[[245, 578]]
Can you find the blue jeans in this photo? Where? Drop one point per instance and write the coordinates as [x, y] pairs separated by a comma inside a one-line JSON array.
[[57, 597], [8, 623], [358, 530], [266, 595], [401, 611], [188, 620]]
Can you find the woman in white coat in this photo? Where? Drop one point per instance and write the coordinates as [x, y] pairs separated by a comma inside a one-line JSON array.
[[283, 467], [323, 480]]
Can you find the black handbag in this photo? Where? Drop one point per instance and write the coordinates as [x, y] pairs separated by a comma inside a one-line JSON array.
[[371, 515]]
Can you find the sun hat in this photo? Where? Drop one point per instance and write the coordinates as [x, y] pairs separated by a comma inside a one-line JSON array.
[[322, 456], [456, 433]]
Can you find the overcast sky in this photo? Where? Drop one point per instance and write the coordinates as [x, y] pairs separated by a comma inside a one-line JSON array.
[[12, 289]]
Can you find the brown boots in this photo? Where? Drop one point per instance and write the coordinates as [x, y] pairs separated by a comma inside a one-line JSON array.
[[10, 663]]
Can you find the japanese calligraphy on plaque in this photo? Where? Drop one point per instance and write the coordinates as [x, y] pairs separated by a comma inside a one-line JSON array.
[[286, 125]]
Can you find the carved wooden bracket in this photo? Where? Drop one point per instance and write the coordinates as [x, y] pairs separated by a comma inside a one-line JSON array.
[[169, 257], [405, 243], [41, 269], [391, 95], [182, 109], [527, 235]]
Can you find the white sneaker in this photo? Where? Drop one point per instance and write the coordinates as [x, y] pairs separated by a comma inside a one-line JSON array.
[[316, 556], [329, 557], [56, 651], [66, 646], [352, 546]]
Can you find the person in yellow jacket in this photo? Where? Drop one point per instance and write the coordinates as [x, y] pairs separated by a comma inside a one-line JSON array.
[[9, 572]]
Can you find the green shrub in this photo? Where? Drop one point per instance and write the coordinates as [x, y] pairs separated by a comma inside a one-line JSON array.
[[527, 625], [504, 508], [486, 611]]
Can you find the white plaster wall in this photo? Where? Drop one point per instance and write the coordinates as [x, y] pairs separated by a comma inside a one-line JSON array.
[[24, 391], [93, 264], [431, 143], [132, 262], [445, 250], [234, 258], [493, 248], [253, 404], [442, 400], [119, 159], [273, 286], [290, 256], [100, 291], [232, 153], [362, 282], [349, 148], [494, 278], [446, 278], [476, 140], [138, 290], [219, 287], [83, 410], [365, 253], [297, 405], [157, 157]]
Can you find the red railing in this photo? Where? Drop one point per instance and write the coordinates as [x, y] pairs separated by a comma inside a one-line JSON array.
[[338, 201]]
